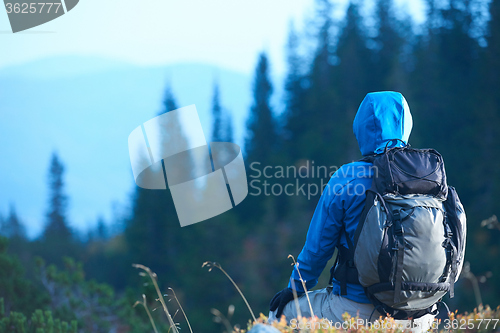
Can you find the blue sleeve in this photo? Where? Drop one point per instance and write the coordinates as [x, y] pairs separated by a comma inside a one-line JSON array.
[[322, 237]]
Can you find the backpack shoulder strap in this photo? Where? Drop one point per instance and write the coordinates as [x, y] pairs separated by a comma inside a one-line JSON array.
[[344, 270]]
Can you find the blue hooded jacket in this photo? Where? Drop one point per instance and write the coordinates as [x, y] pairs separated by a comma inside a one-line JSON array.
[[381, 118]]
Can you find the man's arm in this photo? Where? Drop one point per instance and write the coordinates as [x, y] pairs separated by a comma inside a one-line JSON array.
[[322, 237]]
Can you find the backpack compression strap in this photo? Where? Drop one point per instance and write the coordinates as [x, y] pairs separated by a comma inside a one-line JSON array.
[[400, 247]]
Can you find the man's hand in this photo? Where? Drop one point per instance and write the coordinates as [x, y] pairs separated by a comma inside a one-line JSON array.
[[281, 299]]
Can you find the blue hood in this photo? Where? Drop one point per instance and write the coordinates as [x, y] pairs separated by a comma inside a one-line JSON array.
[[382, 117]]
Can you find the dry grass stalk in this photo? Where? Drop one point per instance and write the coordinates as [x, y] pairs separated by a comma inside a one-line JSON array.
[[153, 277], [211, 265], [296, 265], [145, 305], [220, 318], [182, 310]]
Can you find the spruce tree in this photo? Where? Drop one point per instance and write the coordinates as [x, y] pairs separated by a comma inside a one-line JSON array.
[[57, 240], [11, 227], [315, 134], [353, 80], [487, 120], [57, 228], [101, 230], [294, 95], [260, 148], [150, 232], [445, 83], [217, 123], [388, 71], [324, 49], [484, 176], [228, 128], [222, 123], [261, 127]]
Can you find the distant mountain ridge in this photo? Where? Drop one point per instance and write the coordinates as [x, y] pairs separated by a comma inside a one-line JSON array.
[[62, 66]]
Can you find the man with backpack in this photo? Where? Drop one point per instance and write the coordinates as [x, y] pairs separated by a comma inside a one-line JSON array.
[[398, 227]]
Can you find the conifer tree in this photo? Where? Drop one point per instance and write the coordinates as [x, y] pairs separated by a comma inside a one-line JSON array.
[[228, 128], [260, 146], [217, 123], [150, 233], [294, 95], [57, 239], [11, 227], [322, 62], [353, 80], [316, 137], [261, 127], [222, 123], [388, 68], [445, 85], [57, 228], [483, 175], [488, 119]]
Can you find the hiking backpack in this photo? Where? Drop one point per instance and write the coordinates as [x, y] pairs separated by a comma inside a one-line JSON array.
[[409, 245]]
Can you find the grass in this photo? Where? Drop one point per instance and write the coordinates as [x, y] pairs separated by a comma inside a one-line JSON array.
[[296, 266], [145, 305], [481, 320], [153, 277], [211, 265]]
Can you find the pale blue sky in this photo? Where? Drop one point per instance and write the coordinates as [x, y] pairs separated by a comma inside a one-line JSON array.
[[227, 33]]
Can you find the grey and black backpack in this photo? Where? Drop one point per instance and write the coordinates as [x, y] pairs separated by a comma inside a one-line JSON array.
[[409, 245]]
